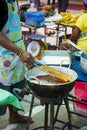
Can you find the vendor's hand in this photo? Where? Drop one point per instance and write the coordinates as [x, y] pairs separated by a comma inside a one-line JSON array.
[[64, 46], [27, 58]]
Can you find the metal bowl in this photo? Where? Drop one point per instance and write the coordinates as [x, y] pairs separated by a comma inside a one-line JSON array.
[[50, 90], [77, 54], [83, 62]]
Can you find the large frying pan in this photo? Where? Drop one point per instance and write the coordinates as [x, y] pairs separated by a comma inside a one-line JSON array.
[[46, 89]]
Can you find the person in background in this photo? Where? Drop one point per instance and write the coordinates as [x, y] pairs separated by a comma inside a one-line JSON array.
[[62, 5], [12, 48], [79, 34], [37, 3], [53, 2], [41, 2]]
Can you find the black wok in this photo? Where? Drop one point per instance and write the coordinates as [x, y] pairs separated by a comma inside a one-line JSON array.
[[46, 89]]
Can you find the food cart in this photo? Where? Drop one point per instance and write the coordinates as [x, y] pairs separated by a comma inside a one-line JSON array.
[[81, 77]]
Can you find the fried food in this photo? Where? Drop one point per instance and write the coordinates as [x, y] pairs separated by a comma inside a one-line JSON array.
[[56, 73], [68, 18]]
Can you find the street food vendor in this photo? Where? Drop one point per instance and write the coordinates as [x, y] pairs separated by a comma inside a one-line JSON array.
[[79, 34], [13, 56]]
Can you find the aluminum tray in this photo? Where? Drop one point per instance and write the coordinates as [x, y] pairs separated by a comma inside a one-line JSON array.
[[56, 57]]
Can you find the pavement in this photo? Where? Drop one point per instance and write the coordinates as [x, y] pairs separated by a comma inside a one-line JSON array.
[[38, 110]]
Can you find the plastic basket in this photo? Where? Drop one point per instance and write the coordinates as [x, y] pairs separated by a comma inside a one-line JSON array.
[[35, 19]]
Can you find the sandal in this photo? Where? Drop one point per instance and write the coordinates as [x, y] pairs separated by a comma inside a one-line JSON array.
[[50, 33], [53, 32]]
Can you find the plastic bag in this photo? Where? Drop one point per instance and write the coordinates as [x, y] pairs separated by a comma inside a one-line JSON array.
[[8, 98]]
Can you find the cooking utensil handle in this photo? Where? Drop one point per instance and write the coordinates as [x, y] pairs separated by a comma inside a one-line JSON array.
[[74, 45], [78, 98], [32, 77], [66, 61], [39, 62]]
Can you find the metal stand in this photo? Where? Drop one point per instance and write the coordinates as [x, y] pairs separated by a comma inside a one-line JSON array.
[[69, 116], [50, 103], [61, 28], [30, 112], [34, 29]]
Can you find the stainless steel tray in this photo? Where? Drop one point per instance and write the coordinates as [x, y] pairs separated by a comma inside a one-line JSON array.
[[56, 57]]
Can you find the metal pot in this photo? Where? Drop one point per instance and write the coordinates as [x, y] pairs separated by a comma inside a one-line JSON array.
[[46, 89], [77, 54], [83, 62]]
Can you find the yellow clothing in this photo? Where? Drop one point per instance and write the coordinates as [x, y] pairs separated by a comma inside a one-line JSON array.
[[82, 25]]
